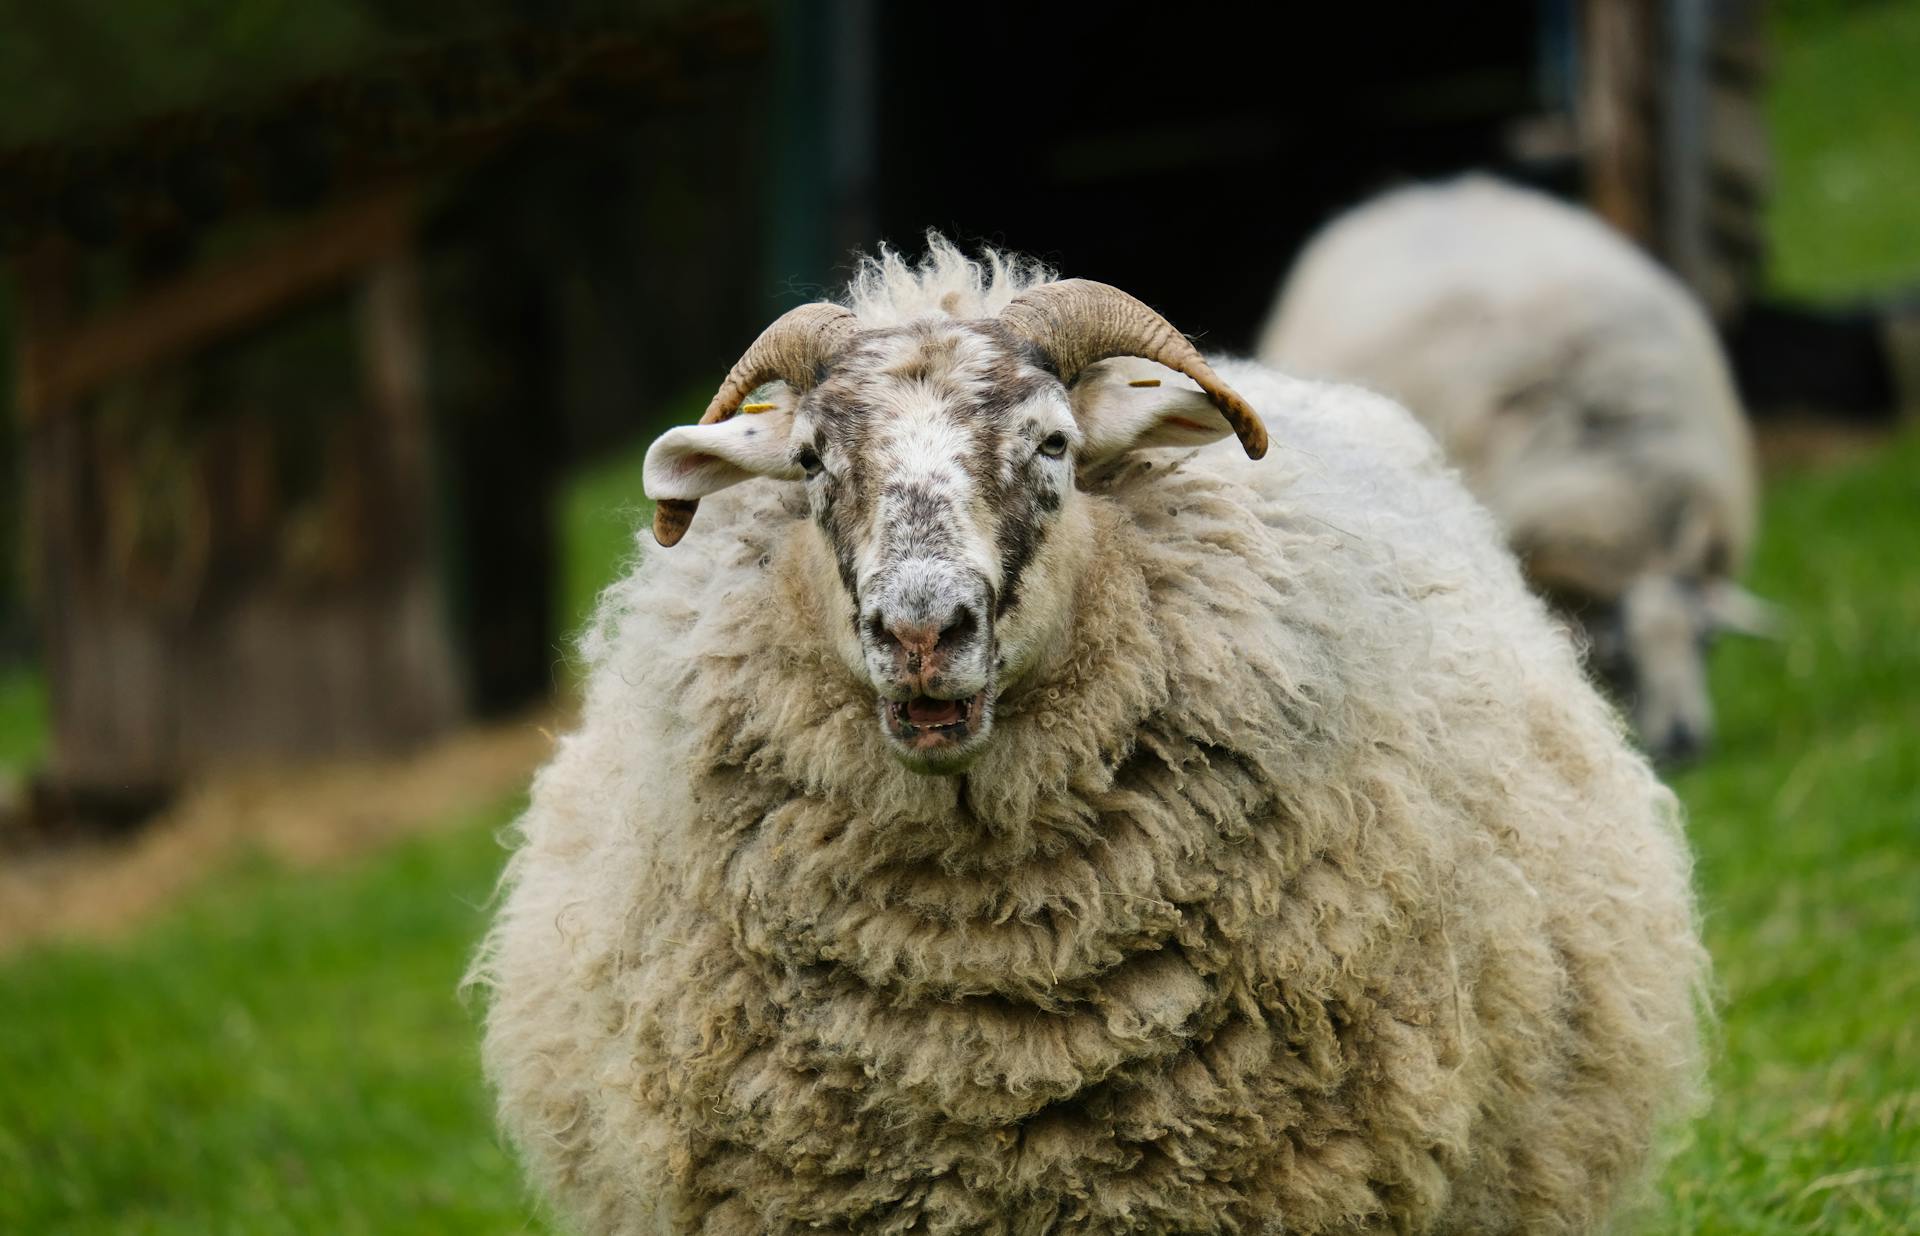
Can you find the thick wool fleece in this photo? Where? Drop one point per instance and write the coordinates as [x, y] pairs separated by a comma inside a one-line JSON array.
[[1314, 891]]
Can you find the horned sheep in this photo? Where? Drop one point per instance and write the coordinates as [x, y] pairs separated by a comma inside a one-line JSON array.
[[1008, 812], [1581, 390]]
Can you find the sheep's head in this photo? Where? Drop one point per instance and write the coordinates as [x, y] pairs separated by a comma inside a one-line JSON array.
[[939, 461], [1650, 585]]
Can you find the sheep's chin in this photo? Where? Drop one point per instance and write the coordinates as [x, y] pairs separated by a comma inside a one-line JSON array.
[[937, 748]]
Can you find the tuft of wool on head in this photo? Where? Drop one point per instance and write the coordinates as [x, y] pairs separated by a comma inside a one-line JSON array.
[[890, 289]]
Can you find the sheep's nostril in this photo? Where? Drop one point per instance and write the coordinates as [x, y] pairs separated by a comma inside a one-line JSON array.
[[959, 628], [1682, 745]]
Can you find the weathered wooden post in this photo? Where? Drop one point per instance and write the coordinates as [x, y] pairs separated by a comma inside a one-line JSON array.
[[199, 606]]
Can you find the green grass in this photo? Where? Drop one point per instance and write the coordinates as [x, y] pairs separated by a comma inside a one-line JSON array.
[[601, 509], [284, 1055], [1844, 118], [1807, 828], [23, 720]]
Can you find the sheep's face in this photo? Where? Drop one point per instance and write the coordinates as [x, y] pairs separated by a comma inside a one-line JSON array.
[[938, 462], [1649, 649], [947, 534], [1651, 599]]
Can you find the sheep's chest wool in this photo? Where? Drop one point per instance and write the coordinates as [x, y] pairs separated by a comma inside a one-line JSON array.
[[1309, 890]]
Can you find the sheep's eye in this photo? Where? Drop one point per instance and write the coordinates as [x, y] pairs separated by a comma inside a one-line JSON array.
[[1054, 445], [808, 459]]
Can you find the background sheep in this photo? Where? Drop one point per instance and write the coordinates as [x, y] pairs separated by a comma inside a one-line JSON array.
[[1286, 874], [1583, 394]]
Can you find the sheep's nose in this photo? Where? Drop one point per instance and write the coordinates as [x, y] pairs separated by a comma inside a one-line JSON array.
[[920, 641], [1683, 744]]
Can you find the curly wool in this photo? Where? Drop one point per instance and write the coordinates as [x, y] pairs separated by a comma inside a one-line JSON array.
[[1313, 891]]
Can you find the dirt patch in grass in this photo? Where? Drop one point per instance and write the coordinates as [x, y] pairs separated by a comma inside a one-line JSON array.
[[305, 817]]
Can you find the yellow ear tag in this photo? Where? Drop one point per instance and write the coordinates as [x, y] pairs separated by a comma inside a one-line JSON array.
[[751, 408], [1144, 382]]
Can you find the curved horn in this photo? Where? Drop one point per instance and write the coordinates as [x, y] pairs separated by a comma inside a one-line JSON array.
[[1077, 322], [792, 351]]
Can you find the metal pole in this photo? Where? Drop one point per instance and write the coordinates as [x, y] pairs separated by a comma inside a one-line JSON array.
[[1683, 141]]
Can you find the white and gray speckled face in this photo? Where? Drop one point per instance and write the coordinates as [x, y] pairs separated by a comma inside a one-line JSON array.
[[938, 459]]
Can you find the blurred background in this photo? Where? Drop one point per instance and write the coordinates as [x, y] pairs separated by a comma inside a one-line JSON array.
[[332, 331]]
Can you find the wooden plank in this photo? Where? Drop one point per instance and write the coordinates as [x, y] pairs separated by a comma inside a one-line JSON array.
[[60, 364], [1616, 113], [263, 655], [1901, 333], [393, 364]]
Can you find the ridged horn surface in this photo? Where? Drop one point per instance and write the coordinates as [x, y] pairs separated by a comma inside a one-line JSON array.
[[1078, 322]]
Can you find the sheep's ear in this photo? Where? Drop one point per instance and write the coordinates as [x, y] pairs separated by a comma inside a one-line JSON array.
[[692, 461], [1736, 611], [1127, 404]]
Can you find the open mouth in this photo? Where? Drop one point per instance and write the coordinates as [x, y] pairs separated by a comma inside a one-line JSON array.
[[930, 726]]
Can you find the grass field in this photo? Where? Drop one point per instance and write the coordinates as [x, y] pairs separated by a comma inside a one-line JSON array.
[[1844, 118], [1807, 829], [286, 1053], [23, 724]]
